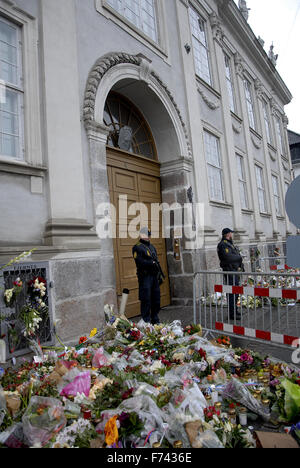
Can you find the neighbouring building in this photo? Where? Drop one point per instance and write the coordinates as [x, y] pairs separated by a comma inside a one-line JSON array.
[[294, 141], [170, 101]]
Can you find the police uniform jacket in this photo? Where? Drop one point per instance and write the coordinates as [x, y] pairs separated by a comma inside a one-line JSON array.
[[230, 257], [145, 256]]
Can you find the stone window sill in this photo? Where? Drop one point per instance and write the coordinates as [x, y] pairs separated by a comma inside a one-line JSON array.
[[219, 204], [208, 87], [248, 212], [21, 168]]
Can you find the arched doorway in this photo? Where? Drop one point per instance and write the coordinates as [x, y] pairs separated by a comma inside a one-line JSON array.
[[134, 77], [133, 174]]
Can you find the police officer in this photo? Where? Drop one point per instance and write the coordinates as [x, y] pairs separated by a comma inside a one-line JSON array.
[[230, 260], [150, 276]]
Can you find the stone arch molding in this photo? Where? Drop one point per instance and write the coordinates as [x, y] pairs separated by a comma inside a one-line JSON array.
[[113, 67]]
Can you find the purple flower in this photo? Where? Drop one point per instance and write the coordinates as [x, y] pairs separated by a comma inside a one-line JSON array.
[[124, 419], [274, 383]]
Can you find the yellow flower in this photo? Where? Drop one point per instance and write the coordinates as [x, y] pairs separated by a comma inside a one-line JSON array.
[[111, 431], [93, 332], [142, 343]]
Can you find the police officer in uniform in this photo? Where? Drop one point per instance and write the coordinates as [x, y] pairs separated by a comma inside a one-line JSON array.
[[150, 277], [230, 260]]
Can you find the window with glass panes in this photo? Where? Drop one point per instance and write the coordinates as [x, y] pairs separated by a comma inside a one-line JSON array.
[[200, 46], [11, 103], [129, 130], [276, 195], [267, 122], [250, 105], [141, 13], [229, 82], [279, 134], [242, 183], [261, 189], [214, 167]]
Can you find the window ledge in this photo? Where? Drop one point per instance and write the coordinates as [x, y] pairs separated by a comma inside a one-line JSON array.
[[271, 147], [280, 218], [21, 168], [255, 133], [220, 204], [235, 116], [266, 215], [208, 87], [248, 212]]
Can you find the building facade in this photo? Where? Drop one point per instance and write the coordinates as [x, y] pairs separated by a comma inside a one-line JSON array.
[[151, 101]]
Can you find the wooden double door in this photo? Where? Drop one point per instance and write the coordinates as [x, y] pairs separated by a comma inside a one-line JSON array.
[[134, 179]]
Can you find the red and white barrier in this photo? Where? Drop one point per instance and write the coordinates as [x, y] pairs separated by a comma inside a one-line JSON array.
[[259, 292], [259, 334], [280, 267]]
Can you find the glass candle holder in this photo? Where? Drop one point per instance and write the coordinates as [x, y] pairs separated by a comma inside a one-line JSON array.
[[243, 416]]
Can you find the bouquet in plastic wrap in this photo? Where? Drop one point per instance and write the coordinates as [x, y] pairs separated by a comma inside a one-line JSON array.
[[287, 406], [235, 390], [2, 405], [43, 419]]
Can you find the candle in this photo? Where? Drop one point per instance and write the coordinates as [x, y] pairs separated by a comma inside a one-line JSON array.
[[232, 416], [2, 352], [243, 417], [178, 444], [214, 395]]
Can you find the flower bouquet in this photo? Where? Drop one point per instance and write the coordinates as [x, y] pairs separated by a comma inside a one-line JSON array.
[[43, 419], [236, 390], [10, 295], [224, 341]]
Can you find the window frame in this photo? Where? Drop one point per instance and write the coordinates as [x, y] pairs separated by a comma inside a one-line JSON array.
[[230, 84], [243, 181], [206, 46], [251, 115], [32, 163], [277, 197], [140, 24], [280, 138], [261, 189], [267, 122], [161, 47], [219, 168], [17, 88]]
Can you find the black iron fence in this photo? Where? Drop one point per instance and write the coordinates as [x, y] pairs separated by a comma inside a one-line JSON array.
[[12, 308]]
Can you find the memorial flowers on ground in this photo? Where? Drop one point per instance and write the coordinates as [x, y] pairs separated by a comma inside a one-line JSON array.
[[134, 385]]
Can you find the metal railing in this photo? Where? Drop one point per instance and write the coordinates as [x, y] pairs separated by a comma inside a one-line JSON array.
[[10, 324], [262, 306]]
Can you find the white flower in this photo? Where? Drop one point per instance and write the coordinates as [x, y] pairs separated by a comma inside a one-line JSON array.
[[227, 427], [156, 365], [216, 419]]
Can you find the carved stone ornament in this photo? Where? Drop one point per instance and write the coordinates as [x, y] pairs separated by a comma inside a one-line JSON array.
[[211, 104], [256, 142], [272, 156], [244, 9], [285, 167], [103, 65], [258, 88], [236, 128], [239, 64], [285, 121], [275, 109], [216, 27]]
